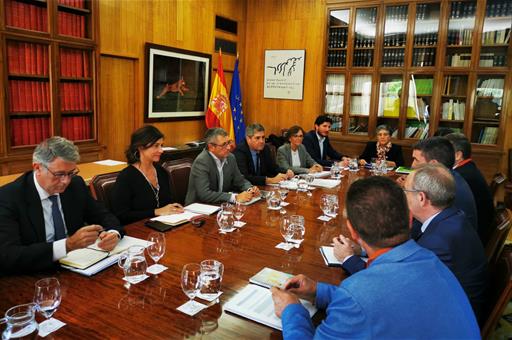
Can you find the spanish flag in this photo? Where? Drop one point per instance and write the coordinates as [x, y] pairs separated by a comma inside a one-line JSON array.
[[219, 111]]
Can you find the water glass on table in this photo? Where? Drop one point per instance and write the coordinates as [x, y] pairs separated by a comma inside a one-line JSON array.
[[283, 190], [239, 211], [297, 229], [156, 250], [47, 296], [226, 220], [353, 165], [191, 279], [133, 262], [211, 278]]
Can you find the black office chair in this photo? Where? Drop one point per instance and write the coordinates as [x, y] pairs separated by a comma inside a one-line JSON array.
[[179, 173], [101, 187]]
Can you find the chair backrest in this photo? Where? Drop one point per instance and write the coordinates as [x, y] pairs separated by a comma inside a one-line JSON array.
[[498, 237], [273, 151], [497, 180], [101, 187], [179, 173], [500, 293]]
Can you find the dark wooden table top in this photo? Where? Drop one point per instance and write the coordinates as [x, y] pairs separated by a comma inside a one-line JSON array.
[[102, 307]]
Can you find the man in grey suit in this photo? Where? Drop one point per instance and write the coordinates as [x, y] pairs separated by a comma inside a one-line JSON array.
[[215, 176]]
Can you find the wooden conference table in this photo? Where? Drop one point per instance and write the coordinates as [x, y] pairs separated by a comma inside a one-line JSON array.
[[102, 307]]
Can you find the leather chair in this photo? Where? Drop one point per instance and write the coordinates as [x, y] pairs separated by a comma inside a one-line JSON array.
[[179, 173], [500, 293], [497, 240], [497, 180], [101, 187]]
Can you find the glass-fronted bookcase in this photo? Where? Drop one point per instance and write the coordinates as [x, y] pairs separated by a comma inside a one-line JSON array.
[[417, 66]]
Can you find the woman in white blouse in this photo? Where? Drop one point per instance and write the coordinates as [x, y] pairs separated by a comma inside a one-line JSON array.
[[293, 155]]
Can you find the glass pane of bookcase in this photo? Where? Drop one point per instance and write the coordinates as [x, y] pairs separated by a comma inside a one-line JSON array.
[[28, 92], [334, 96], [364, 40], [395, 33], [460, 33], [426, 34], [338, 37], [29, 15], [390, 91], [496, 33], [453, 102], [488, 106], [360, 97], [418, 106], [73, 18]]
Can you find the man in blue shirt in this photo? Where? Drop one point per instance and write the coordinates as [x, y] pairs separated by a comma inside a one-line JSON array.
[[405, 292]]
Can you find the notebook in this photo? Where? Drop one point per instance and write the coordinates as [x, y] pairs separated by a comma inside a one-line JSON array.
[[268, 277]]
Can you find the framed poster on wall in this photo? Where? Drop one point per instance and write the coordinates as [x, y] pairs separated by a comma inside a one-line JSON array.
[[284, 74], [177, 83]]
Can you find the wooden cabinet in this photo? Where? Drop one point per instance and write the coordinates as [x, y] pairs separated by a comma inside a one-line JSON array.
[[418, 66], [48, 73]]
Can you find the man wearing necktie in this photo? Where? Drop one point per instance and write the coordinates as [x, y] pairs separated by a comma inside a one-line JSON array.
[[255, 160], [48, 212]]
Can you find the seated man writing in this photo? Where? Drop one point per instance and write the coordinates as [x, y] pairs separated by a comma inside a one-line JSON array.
[[406, 292], [215, 177], [48, 212]]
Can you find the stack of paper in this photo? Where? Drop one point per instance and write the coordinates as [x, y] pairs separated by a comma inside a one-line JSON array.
[[91, 260], [321, 174], [328, 256], [325, 183], [255, 303], [191, 211]]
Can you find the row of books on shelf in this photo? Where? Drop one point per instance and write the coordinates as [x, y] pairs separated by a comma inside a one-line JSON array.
[[426, 11], [75, 96], [29, 96], [491, 87], [460, 37], [73, 3], [455, 85], [71, 24], [335, 83], [491, 59], [334, 103], [462, 9], [496, 37], [360, 105], [423, 86], [29, 131], [488, 135], [498, 8], [27, 58], [337, 122], [76, 127], [453, 110], [74, 63], [418, 132], [25, 15], [362, 84]]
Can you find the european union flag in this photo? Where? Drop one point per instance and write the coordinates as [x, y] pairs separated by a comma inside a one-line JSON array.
[[235, 100]]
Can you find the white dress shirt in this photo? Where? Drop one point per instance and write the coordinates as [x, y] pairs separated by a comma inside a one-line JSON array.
[[220, 165]]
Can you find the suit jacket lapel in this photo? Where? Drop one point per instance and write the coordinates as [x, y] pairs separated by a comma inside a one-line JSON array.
[[213, 166], [34, 208], [67, 205]]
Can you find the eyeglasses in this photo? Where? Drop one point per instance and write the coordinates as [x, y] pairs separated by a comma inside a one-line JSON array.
[[410, 190], [298, 136], [223, 145], [62, 175]]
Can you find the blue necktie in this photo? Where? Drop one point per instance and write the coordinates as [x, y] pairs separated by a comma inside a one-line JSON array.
[[58, 222]]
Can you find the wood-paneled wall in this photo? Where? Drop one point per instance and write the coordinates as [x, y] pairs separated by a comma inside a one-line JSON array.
[[125, 27]]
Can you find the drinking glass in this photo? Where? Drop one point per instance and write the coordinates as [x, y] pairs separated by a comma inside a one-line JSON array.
[[211, 277], [47, 296], [239, 212], [302, 184], [283, 190], [226, 220], [133, 262], [352, 165], [329, 205], [309, 180], [156, 250], [191, 279], [285, 229], [297, 229], [274, 201], [335, 171], [20, 322]]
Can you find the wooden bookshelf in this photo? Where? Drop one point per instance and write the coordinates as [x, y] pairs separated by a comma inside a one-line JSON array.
[[424, 65]]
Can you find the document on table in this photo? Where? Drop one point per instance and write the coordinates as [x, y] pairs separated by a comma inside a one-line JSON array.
[[325, 183], [253, 200], [255, 303], [321, 174], [268, 277], [109, 162], [91, 260], [176, 219], [200, 208]]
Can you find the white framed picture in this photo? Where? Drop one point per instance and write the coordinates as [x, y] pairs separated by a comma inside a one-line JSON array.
[[284, 74]]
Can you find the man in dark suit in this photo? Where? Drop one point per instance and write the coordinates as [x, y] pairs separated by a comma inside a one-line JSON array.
[[317, 143], [443, 229], [465, 167], [48, 212], [215, 177], [439, 150], [255, 160]]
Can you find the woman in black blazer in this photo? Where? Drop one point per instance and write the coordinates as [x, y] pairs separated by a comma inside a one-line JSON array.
[[383, 149], [142, 189]]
